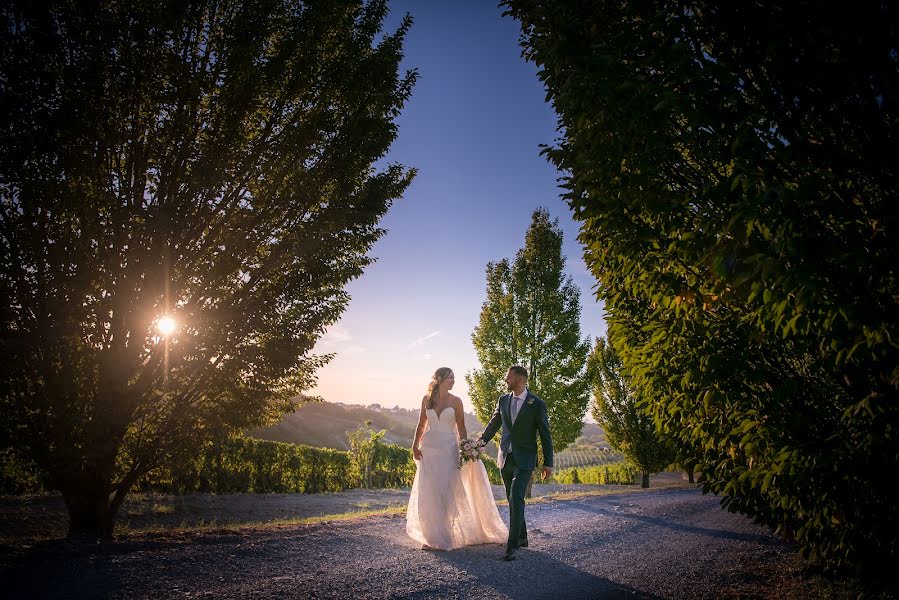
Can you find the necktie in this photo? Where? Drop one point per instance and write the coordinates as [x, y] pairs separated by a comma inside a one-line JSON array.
[[515, 401]]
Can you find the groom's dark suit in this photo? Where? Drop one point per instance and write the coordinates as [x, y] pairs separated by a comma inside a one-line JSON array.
[[517, 456]]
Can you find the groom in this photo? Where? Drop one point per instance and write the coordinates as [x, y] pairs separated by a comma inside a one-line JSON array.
[[522, 416]]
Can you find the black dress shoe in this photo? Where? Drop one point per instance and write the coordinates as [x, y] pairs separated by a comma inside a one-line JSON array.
[[510, 553]]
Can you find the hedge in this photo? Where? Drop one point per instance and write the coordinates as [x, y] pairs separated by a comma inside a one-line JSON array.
[[621, 473]]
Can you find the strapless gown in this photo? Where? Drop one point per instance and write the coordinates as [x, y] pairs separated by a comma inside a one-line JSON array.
[[451, 507]]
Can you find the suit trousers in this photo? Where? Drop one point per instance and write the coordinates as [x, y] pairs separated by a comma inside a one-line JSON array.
[[516, 481]]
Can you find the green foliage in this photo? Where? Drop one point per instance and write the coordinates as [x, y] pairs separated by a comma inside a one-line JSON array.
[[19, 475], [212, 161], [732, 165], [246, 465], [531, 317], [620, 473], [493, 472], [392, 467], [616, 409], [364, 444]]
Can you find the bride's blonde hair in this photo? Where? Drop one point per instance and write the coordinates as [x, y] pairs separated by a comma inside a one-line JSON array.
[[434, 387]]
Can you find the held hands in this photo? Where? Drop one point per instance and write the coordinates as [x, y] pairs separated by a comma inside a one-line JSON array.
[[547, 472]]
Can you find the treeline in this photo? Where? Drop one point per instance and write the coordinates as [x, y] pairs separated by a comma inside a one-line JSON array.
[[731, 175], [247, 465]]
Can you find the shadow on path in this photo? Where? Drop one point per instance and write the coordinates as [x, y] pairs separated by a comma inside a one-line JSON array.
[[62, 568], [765, 540], [534, 575]]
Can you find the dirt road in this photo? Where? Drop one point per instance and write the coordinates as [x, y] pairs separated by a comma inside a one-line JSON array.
[[673, 543]]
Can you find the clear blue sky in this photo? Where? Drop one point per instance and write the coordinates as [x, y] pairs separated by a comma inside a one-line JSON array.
[[472, 129]]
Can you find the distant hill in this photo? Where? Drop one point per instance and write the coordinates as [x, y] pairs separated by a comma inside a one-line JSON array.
[[592, 435], [326, 424]]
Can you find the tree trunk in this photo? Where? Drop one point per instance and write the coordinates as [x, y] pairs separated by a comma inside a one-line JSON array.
[[690, 476], [645, 480], [219, 467], [90, 515]]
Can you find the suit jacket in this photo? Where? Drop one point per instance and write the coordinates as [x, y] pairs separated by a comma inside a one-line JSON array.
[[520, 438]]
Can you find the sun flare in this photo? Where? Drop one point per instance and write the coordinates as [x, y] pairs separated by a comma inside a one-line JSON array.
[[166, 325]]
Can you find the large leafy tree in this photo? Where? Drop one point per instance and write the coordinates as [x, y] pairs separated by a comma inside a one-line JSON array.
[[616, 409], [733, 168], [532, 317], [211, 162]]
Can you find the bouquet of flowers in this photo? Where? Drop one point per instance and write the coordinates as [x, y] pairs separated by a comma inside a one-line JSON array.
[[470, 450]]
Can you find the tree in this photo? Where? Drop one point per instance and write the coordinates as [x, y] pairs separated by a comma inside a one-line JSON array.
[[532, 317], [616, 409], [730, 165], [364, 443], [208, 162]]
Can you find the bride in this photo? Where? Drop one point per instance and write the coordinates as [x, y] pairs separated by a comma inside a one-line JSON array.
[[448, 507]]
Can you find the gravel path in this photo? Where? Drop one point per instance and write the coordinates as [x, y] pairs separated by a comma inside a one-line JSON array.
[[44, 516], [670, 543]]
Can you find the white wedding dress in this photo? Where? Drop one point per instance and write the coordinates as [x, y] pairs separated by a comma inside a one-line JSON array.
[[450, 507]]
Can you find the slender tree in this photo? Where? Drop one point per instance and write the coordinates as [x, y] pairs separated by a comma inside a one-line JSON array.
[[205, 162], [532, 317], [732, 167], [364, 442], [616, 409]]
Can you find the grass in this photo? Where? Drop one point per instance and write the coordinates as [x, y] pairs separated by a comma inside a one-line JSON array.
[[137, 510], [213, 525], [612, 490], [163, 509], [48, 536]]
